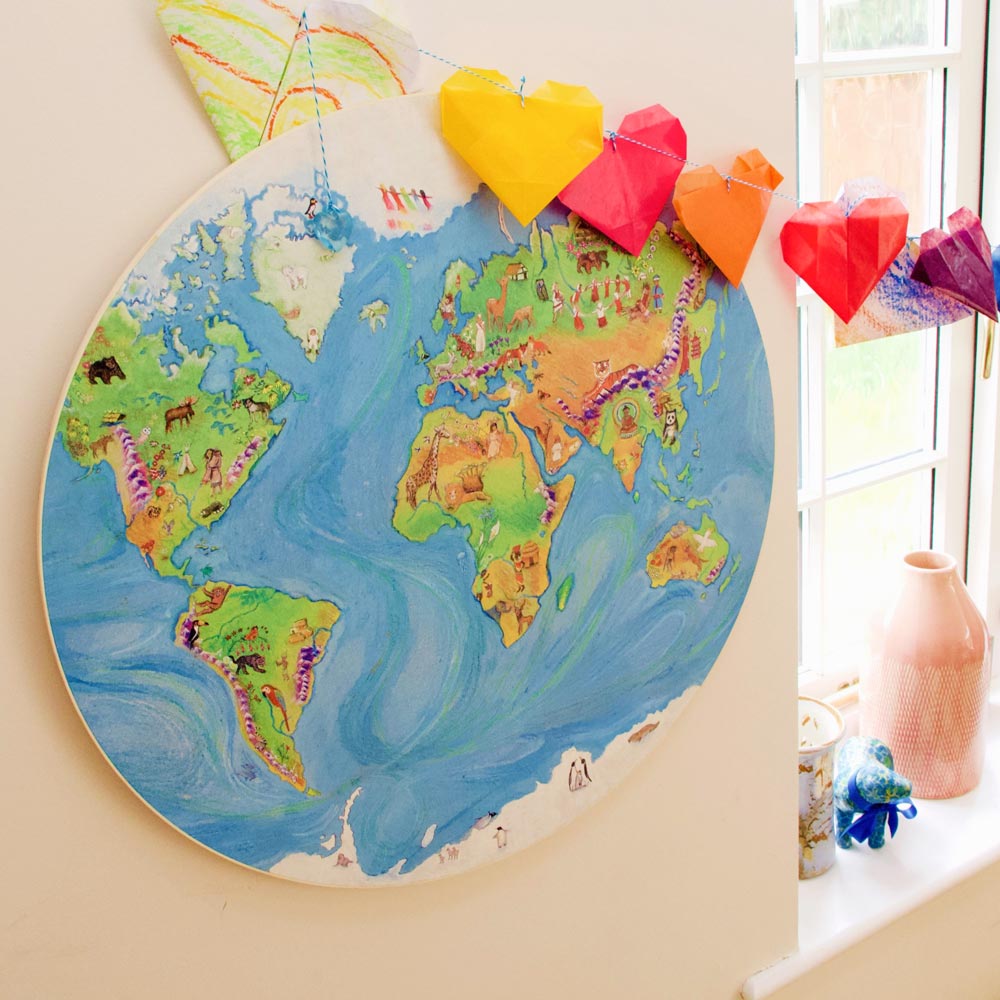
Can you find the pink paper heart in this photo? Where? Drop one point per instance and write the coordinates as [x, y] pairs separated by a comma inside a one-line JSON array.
[[842, 257], [623, 191]]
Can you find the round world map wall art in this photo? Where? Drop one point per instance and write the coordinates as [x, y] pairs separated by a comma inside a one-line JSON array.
[[376, 551]]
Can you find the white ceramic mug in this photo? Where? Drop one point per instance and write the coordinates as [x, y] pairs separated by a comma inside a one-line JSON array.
[[820, 728]]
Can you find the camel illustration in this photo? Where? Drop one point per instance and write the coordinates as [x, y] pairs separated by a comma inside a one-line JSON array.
[[495, 308], [428, 472]]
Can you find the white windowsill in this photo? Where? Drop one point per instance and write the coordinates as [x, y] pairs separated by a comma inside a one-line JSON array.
[[867, 890]]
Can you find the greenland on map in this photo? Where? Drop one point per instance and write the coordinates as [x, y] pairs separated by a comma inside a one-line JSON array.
[[379, 559]]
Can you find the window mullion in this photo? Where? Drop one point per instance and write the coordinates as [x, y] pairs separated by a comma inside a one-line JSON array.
[[878, 63]]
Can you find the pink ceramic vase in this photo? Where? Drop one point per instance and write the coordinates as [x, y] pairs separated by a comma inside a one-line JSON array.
[[925, 690]]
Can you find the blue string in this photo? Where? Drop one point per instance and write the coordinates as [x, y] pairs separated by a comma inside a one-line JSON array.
[[612, 135], [472, 72], [304, 21]]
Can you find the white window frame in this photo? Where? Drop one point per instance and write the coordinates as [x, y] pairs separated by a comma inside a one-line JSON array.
[[955, 60]]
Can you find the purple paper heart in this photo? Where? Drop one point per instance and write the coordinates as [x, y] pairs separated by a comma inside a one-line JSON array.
[[959, 264]]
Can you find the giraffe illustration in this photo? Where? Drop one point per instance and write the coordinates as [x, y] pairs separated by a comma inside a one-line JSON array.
[[428, 472], [495, 307]]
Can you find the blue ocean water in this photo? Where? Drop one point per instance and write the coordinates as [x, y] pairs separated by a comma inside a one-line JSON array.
[[416, 699]]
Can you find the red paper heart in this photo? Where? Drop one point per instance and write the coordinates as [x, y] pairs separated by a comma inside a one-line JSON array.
[[842, 257], [623, 191]]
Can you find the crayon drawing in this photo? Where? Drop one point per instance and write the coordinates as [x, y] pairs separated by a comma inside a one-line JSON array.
[[249, 62], [899, 304]]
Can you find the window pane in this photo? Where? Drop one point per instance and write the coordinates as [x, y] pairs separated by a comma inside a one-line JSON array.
[[860, 25], [867, 532], [878, 126], [878, 405]]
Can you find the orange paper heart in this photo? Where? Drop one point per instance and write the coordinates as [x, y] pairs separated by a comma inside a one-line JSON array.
[[724, 216], [528, 154]]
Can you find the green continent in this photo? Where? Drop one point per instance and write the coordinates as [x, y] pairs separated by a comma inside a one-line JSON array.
[[179, 453], [266, 646], [479, 473]]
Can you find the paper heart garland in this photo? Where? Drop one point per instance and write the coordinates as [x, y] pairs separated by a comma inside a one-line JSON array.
[[623, 191], [959, 263], [528, 154], [726, 217], [842, 257]]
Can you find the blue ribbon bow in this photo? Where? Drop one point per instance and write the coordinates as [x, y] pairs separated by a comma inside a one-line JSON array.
[[330, 224], [863, 827]]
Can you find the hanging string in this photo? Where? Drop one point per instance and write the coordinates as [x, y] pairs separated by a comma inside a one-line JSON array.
[[472, 72], [304, 22], [610, 133], [519, 93], [728, 178], [615, 137], [277, 89]]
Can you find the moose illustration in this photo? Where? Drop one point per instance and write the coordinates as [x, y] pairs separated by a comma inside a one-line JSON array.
[[182, 413]]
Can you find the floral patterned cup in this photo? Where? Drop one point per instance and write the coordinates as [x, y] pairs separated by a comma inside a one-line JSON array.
[[820, 728]]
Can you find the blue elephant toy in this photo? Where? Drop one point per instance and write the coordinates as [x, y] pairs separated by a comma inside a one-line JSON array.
[[865, 782]]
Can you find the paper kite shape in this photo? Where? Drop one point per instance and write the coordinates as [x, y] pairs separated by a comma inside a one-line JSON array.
[[623, 191], [959, 262], [528, 154], [726, 216], [996, 271], [249, 62], [840, 256]]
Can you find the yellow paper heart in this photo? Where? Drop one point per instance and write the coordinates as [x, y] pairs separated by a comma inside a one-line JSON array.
[[526, 155]]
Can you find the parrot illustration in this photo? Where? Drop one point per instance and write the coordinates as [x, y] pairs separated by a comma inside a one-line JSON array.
[[274, 696]]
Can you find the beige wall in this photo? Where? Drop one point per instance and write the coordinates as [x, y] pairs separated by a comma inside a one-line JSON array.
[[949, 949], [677, 884]]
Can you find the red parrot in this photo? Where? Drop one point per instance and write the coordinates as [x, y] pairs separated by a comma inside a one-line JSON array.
[[273, 695]]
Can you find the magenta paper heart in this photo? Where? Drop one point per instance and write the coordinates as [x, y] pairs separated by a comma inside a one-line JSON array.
[[623, 191], [959, 264], [842, 257]]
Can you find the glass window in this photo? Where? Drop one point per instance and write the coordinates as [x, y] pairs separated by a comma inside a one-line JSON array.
[[883, 425], [879, 401], [863, 25], [881, 125]]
